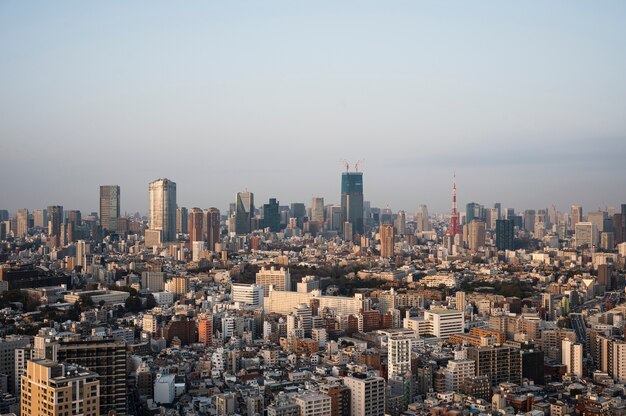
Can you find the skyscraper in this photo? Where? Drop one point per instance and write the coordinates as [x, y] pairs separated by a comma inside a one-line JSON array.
[[109, 207], [22, 222], [40, 218], [352, 200], [244, 212], [182, 217], [368, 394], [505, 232], [476, 234], [212, 223], [271, 215], [422, 223], [386, 240], [162, 208], [196, 225], [55, 222], [317, 209], [577, 215]]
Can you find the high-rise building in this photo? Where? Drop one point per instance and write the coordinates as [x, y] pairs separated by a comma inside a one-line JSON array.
[[499, 363], [8, 346], [317, 209], [55, 223], [271, 215], [572, 357], [386, 240], [298, 211], [244, 212], [196, 225], [505, 233], [81, 254], [529, 220], [54, 389], [106, 357], [40, 218], [162, 208], [352, 200], [313, 404], [109, 207], [212, 223], [457, 371], [586, 234], [400, 223], [182, 218], [398, 356], [205, 330], [250, 295], [368, 394], [577, 215], [477, 232], [22, 222], [460, 301], [279, 278], [335, 218], [422, 222], [473, 211]]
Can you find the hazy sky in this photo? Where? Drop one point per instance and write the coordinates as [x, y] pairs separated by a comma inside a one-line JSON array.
[[526, 101]]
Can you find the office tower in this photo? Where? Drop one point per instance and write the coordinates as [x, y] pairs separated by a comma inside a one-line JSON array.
[[533, 366], [618, 360], [244, 212], [162, 208], [212, 223], [280, 279], [368, 394], [55, 389], [386, 240], [271, 215], [249, 295], [422, 222], [313, 404], [317, 209], [577, 215], [586, 234], [109, 207], [348, 231], [106, 357], [73, 217], [298, 211], [505, 234], [498, 207], [336, 218], [196, 225], [597, 218], [4, 215], [473, 211], [398, 357], [499, 363], [572, 357], [8, 346], [529, 220], [477, 232], [352, 200], [81, 254], [182, 219], [546, 303], [55, 222], [386, 216], [460, 301], [22, 222], [40, 218], [400, 223]]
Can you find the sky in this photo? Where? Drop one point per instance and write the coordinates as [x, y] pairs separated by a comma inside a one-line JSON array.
[[524, 101]]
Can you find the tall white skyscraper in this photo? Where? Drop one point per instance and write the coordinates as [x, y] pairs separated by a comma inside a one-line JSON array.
[[398, 356], [81, 253], [162, 208], [572, 357]]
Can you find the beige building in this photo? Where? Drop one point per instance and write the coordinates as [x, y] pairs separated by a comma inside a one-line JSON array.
[[54, 389], [368, 395], [279, 278]]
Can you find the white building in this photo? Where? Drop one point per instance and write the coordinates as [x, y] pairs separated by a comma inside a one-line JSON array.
[[586, 233], [398, 356], [572, 356], [163, 298], [164, 389], [457, 371], [249, 295], [280, 279], [445, 322]]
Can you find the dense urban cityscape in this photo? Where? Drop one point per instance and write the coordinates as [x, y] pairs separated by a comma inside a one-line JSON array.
[[319, 309]]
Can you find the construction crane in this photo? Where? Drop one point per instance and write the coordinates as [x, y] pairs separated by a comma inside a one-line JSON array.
[[346, 164]]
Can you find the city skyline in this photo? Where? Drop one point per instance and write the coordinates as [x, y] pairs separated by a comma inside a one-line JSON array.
[[527, 101]]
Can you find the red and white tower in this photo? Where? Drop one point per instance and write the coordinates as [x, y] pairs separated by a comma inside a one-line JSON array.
[[454, 218]]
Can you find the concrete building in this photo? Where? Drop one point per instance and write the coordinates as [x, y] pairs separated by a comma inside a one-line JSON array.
[[280, 279], [162, 208], [445, 322], [572, 356], [313, 404], [398, 356], [367, 394], [109, 207], [586, 234], [164, 390], [249, 295], [54, 389], [386, 240]]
